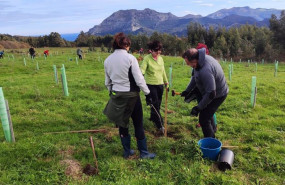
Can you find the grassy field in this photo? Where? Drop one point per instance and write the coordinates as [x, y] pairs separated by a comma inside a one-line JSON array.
[[38, 106]]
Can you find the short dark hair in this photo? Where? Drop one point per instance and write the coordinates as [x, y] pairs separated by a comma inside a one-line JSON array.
[[190, 55], [121, 41], [155, 45]]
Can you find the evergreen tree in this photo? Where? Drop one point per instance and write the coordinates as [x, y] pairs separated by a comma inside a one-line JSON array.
[[278, 29], [55, 40], [82, 40], [233, 41]]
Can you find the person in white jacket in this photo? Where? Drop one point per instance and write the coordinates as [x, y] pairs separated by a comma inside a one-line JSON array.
[[124, 81]]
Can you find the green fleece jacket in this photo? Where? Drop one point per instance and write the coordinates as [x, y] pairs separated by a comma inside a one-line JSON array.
[[153, 71]]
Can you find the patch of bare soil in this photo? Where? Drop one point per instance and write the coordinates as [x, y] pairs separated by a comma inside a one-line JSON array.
[[73, 168]]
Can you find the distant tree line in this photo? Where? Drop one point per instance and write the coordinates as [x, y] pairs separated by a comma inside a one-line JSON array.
[[52, 40], [244, 42]]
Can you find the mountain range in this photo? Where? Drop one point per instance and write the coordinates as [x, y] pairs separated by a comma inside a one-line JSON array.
[[148, 21]]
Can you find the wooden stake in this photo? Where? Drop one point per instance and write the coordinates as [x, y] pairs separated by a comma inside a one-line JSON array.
[[230, 146], [94, 155], [255, 92], [165, 112], [10, 121], [62, 83], [80, 131], [253, 85]]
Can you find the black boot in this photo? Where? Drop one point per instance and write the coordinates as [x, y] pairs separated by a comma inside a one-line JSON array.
[[142, 146], [126, 142]]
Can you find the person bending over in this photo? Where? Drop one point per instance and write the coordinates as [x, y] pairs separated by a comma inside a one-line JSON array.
[[210, 80]]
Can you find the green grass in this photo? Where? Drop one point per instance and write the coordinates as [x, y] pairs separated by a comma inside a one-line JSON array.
[[38, 106]]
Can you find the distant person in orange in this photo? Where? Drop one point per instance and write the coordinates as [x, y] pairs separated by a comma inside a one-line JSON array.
[[46, 53]]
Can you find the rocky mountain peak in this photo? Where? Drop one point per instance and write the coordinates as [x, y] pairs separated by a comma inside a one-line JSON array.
[[148, 20]]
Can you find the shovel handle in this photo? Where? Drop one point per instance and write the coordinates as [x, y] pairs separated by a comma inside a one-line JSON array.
[[165, 113], [230, 146], [94, 155]]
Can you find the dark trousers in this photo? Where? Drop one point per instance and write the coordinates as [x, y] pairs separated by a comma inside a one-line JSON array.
[[137, 117], [80, 57], [206, 117], [156, 92]]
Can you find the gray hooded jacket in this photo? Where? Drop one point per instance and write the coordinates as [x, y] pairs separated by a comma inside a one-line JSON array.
[[209, 78]]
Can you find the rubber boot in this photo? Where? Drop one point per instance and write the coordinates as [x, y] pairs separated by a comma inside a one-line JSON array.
[[126, 142], [142, 147]]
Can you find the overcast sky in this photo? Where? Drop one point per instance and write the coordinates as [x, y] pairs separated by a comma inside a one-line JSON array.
[[40, 17]]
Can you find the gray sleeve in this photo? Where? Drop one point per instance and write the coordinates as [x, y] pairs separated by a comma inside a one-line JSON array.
[[108, 81], [191, 85], [209, 84], [137, 74]]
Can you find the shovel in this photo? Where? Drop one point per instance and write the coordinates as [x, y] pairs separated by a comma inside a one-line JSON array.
[[165, 111], [90, 170]]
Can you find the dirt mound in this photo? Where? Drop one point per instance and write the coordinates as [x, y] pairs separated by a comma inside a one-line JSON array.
[[13, 45], [73, 168]]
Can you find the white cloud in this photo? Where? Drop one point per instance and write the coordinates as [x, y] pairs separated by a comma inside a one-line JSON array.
[[207, 4], [197, 2]]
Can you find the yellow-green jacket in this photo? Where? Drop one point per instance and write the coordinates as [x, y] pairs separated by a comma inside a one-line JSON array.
[[153, 71]]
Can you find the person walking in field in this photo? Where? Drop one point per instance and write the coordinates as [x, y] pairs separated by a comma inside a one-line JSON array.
[[152, 68], [210, 80], [79, 53], [124, 81]]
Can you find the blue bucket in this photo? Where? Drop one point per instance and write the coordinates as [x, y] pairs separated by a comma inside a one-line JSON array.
[[210, 147]]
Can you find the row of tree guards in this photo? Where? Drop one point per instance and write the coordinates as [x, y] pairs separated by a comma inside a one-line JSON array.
[[37, 64], [5, 111], [231, 70], [11, 56], [6, 118], [253, 84], [45, 57]]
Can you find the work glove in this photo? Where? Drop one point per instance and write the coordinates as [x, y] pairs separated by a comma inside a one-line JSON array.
[[184, 93], [166, 85], [195, 111], [148, 99]]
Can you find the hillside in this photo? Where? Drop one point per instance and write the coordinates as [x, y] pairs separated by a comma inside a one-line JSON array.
[[13, 45]]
